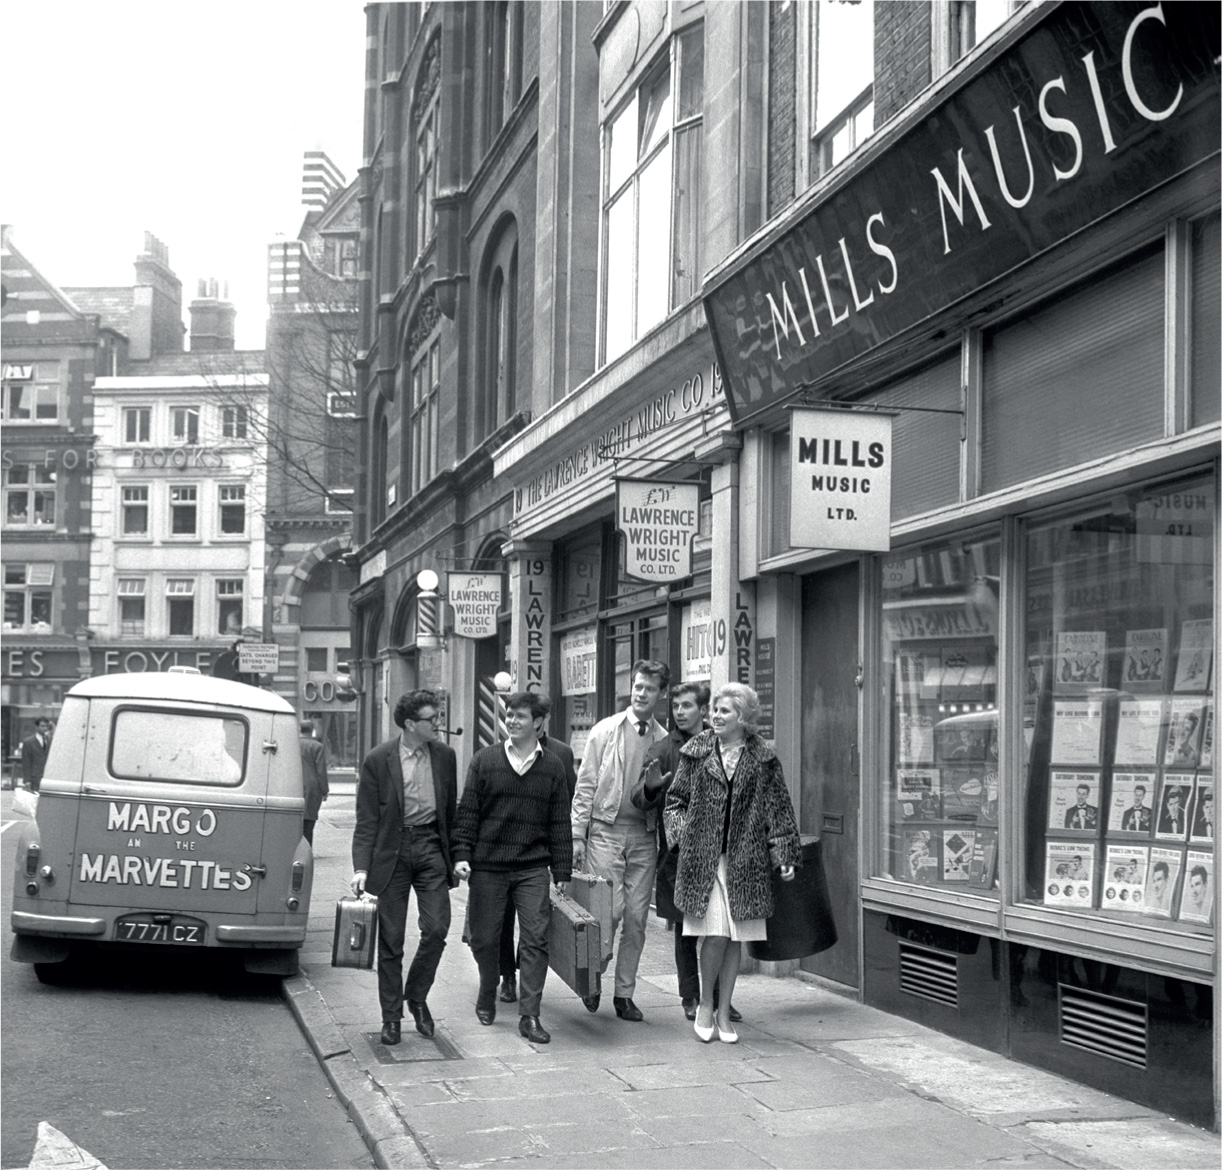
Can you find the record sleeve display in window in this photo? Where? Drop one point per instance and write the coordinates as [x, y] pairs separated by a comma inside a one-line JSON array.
[[1118, 785], [940, 608]]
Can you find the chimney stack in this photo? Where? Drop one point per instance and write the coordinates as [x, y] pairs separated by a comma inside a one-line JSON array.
[[212, 318], [156, 320]]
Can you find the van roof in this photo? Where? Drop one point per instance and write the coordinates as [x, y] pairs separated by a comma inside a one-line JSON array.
[[186, 688]]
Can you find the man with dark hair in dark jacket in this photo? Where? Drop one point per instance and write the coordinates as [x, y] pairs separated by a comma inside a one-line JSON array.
[[512, 826]]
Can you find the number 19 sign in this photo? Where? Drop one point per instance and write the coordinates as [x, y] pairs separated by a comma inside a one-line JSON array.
[[840, 480]]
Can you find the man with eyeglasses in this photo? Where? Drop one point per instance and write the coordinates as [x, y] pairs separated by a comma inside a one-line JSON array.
[[405, 803], [512, 827]]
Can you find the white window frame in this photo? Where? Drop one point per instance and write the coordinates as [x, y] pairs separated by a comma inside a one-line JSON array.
[[847, 115], [334, 498], [38, 580], [225, 499], [235, 422], [126, 503], [227, 589], [424, 419], [176, 589], [139, 415], [41, 481], [129, 589], [184, 425], [41, 381], [194, 502]]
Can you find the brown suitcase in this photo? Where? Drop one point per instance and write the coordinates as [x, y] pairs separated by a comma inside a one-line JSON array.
[[574, 949], [594, 894], [356, 933]]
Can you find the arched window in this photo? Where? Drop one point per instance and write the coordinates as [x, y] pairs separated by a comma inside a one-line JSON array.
[[498, 374], [379, 490], [426, 117]]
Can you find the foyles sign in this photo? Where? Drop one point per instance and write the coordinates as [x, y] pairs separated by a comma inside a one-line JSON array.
[[659, 521], [1094, 105], [840, 480]]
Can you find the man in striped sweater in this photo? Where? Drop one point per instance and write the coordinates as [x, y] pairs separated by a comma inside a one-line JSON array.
[[512, 825]]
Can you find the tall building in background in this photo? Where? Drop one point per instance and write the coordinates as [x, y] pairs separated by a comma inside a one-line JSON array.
[[635, 281], [311, 436]]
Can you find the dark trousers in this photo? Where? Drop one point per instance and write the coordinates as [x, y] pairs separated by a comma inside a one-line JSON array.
[[687, 962], [527, 891], [422, 868], [509, 953], [307, 831]]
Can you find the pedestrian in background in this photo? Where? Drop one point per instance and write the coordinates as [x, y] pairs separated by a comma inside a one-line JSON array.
[[611, 836], [313, 778], [689, 708], [512, 826], [405, 801], [34, 750], [729, 812], [561, 750]]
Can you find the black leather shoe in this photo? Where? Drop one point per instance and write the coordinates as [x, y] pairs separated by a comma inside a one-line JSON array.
[[390, 1032], [735, 1015], [690, 1004], [422, 1016], [509, 990], [532, 1030], [627, 1010], [591, 1002], [485, 1007]]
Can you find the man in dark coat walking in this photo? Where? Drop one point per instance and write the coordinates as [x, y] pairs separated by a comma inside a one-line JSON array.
[[564, 753], [689, 707], [34, 755], [313, 778], [405, 803]]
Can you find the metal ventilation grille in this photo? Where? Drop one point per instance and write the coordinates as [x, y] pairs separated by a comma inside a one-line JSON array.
[[929, 974], [1114, 1028]]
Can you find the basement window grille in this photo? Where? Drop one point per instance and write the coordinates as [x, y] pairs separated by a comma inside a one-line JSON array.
[[1116, 1029], [929, 975]]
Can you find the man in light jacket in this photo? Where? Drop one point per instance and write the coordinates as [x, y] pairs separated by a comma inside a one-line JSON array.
[[611, 837]]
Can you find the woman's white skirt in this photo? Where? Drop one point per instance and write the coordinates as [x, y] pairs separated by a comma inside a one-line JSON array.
[[717, 919]]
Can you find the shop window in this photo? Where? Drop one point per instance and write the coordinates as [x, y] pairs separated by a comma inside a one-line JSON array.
[[136, 510], [580, 578], [1076, 379], [651, 197], [1206, 312], [231, 500], [180, 607], [229, 606], [940, 762], [27, 597], [137, 424], [31, 392], [184, 509], [131, 607], [1118, 710], [184, 425], [233, 422], [642, 636], [29, 496], [843, 117]]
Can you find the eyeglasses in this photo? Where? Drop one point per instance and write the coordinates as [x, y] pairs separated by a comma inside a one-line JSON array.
[[434, 719]]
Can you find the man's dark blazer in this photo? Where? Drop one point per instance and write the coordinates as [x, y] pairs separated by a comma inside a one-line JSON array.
[[379, 810], [1091, 816], [564, 754], [33, 761]]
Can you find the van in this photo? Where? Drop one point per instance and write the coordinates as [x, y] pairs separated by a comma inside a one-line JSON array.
[[169, 815]]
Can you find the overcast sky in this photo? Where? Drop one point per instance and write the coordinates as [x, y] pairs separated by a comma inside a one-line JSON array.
[[186, 120]]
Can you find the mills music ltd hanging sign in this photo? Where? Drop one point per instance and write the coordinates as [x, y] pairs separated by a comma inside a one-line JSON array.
[[659, 522]]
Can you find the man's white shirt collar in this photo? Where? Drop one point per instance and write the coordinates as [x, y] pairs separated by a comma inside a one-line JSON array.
[[518, 762]]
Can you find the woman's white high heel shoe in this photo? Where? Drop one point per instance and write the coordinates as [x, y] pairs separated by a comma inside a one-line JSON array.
[[704, 1034], [725, 1035]]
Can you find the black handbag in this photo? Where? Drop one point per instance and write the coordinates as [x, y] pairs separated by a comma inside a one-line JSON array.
[[801, 923]]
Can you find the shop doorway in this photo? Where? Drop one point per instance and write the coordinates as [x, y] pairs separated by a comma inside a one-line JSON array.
[[831, 761]]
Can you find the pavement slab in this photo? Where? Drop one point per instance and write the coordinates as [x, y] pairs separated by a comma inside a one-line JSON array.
[[816, 1080]]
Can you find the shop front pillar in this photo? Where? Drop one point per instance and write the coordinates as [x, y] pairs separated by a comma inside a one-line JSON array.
[[733, 601], [530, 595]]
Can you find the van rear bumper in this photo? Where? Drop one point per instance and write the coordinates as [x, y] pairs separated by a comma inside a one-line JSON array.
[[285, 935], [25, 923]]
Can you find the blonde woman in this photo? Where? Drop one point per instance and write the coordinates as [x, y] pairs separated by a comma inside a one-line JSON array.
[[729, 813]]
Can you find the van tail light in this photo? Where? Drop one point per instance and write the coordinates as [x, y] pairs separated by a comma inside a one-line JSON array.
[[298, 876], [32, 853]]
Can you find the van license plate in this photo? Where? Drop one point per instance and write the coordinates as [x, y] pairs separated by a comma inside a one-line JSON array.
[[177, 929]]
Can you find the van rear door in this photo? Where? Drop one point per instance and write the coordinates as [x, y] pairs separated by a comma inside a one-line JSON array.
[[172, 807]]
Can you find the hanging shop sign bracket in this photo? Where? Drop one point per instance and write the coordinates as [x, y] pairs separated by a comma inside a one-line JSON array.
[[880, 408]]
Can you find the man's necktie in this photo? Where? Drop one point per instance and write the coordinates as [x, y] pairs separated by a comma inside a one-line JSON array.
[[643, 727]]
